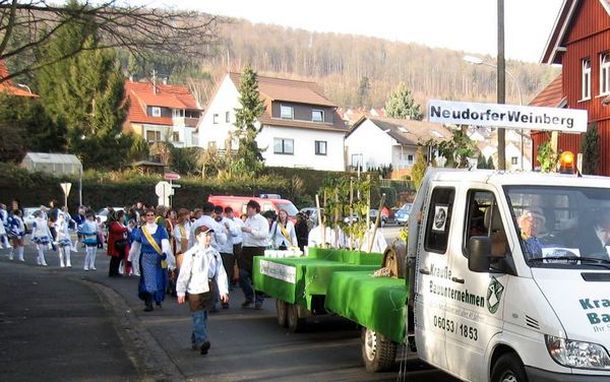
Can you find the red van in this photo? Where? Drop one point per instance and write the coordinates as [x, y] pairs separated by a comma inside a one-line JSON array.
[[238, 204]]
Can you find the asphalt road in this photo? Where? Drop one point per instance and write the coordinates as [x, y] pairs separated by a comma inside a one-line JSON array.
[[247, 345]]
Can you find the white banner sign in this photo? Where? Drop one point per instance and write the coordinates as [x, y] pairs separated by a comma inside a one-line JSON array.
[[279, 271], [508, 116]]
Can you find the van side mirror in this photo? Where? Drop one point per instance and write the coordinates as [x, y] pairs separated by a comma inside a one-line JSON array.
[[479, 253]]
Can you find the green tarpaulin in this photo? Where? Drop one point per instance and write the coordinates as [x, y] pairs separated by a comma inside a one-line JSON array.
[[296, 280], [378, 303]]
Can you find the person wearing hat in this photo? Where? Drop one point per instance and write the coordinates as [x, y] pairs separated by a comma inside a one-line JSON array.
[[201, 275], [531, 223]]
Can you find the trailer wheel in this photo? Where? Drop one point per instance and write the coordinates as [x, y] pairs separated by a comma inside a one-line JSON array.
[[281, 312], [378, 351], [295, 323], [508, 368]]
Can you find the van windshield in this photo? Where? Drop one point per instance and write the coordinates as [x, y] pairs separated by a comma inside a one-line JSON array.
[[289, 207], [561, 226]]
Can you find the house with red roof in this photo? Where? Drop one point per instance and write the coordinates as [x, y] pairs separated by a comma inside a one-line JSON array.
[[580, 43], [7, 86], [162, 113], [300, 127]]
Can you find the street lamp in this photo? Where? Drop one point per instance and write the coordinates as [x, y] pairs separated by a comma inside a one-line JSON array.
[[479, 61]]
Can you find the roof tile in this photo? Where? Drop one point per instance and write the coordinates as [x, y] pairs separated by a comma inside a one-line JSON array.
[[551, 96]]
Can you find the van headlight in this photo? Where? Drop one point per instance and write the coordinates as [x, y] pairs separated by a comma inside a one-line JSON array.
[[577, 354]]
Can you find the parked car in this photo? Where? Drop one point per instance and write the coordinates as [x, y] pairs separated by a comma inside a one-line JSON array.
[[103, 213], [402, 215], [385, 216]]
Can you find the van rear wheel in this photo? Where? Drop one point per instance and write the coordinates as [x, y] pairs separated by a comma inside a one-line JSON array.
[[281, 310], [508, 368], [378, 351]]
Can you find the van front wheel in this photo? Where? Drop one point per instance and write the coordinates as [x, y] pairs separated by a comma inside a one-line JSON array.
[[508, 368], [378, 351]]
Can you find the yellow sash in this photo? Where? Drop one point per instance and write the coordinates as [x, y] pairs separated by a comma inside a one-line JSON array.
[[153, 243], [284, 232]]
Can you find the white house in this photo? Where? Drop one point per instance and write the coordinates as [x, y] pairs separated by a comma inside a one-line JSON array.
[[377, 142], [162, 113], [300, 126]]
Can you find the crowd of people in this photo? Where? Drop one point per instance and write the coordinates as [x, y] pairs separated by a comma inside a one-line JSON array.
[[202, 253]]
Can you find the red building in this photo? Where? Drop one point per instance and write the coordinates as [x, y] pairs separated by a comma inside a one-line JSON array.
[[580, 42]]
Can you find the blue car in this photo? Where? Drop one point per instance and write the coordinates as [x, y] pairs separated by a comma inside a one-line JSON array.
[[402, 215]]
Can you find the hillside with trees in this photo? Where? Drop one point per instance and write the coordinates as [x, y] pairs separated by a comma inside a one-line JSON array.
[[363, 71]]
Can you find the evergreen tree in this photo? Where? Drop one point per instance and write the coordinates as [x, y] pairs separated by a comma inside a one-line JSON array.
[[401, 105], [481, 162], [249, 155], [86, 92], [490, 163], [364, 89], [40, 132], [419, 168], [590, 150]]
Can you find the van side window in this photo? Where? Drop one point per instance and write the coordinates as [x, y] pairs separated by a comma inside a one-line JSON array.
[[439, 219], [483, 219]]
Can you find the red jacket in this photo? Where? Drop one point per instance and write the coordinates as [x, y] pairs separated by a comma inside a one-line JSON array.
[[116, 231]]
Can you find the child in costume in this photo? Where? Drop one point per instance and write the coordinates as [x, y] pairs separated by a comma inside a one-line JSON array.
[[201, 274], [89, 232]]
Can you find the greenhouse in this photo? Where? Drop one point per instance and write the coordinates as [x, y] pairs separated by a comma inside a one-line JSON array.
[[55, 164]]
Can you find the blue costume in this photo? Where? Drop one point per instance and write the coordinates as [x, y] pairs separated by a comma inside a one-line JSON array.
[[153, 280]]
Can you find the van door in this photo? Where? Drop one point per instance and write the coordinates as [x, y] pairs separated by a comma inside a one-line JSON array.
[[474, 300], [431, 279]]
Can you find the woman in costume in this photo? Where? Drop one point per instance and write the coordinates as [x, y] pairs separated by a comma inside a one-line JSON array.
[[151, 253], [41, 236], [64, 242], [283, 235], [16, 232]]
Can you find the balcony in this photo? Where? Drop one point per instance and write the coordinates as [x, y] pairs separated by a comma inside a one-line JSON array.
[[185, 121]]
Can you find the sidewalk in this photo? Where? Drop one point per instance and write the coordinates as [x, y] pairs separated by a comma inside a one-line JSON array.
[[56, 329]]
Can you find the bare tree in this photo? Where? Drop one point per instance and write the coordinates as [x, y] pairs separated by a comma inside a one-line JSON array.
[[26, 25]]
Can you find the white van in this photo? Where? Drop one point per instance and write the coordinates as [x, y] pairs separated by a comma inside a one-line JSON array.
[[491, 304]]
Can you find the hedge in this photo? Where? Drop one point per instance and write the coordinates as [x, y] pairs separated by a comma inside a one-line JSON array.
[[102, 189], [109, 189]]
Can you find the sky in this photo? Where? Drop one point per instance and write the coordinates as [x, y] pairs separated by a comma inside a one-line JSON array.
[[466, 25]]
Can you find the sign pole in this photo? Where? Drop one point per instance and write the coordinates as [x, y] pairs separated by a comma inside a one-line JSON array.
[[501, 85]]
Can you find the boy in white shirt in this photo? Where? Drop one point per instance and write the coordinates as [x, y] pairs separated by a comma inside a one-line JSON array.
[[201, 272]]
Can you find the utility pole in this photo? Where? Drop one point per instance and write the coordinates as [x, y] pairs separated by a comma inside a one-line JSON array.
[[501, 85]]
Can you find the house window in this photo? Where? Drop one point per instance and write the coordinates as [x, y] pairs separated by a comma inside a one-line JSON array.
[[586, 79], [320, 147], [215, 119], [317, 115], [228, 117], [283, 146], [153, 136], [175, 136], [410, 159], [155, 111], [514, 160], [604, 74], [357, 160], [286, 112], [178, 113]]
